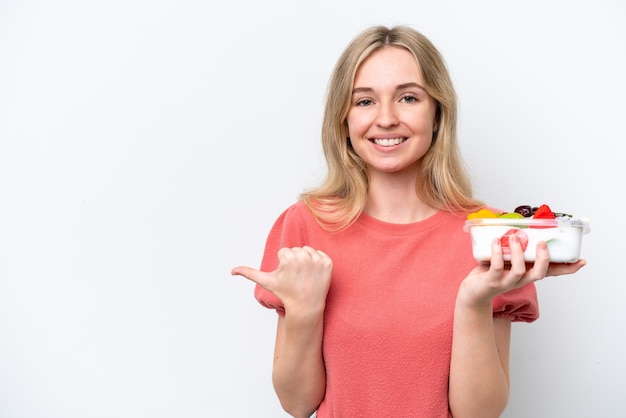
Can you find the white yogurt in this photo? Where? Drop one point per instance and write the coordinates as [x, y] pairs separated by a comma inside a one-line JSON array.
[[563, 236]]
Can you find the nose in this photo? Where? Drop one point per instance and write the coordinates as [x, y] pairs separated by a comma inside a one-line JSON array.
[[387, 115]]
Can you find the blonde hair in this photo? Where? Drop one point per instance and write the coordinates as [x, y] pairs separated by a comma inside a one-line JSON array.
[[442, 182]]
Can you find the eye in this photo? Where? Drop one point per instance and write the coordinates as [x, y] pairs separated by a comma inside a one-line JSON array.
[[409, 98], [364, 102]]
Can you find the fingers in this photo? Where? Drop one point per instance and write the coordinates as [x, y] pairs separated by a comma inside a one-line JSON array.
[[306, 249], [516, 272], [319, 256], [296, 262], [304, 256], [500, 276], [251, 274], [497, 259], [543, 267], [542, 262], [559, 269]]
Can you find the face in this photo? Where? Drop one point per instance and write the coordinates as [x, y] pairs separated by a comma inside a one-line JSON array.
[[391, 117]]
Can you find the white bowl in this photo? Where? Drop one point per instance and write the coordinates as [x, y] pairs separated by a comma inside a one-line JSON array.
[[562, 235]]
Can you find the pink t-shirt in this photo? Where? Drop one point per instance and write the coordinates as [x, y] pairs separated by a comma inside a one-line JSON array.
[[389, 311]]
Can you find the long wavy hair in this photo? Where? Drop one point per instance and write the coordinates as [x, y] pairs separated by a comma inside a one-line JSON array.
[[443, 181]]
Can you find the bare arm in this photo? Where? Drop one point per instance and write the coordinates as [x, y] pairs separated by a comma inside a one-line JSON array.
[[299, 375], [301, 282], [479, 368]]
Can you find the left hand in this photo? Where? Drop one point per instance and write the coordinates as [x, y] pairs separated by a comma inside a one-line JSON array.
[[486, 281]]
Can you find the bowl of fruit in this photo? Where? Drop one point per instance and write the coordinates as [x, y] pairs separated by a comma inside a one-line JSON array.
[[560, 231]]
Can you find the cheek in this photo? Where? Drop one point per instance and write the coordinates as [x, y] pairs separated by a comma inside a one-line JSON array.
[[355, 126]]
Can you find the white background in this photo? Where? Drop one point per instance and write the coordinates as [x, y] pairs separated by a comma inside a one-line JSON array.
[[146, 147]]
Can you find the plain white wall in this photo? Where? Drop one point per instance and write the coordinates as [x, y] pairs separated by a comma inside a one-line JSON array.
[[146, 147]]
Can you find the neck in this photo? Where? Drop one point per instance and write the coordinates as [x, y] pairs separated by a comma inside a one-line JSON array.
[[394, 199]]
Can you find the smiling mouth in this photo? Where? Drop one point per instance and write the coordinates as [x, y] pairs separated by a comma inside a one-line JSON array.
[[388, 142]]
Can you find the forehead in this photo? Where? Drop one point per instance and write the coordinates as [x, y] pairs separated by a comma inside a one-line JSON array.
[[388, 63]]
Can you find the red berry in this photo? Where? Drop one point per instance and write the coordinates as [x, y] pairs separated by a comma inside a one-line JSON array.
[[544, 212], [504, 240]]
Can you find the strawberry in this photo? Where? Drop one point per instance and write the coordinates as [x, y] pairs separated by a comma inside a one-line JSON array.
[[504, 240], [544, 212]]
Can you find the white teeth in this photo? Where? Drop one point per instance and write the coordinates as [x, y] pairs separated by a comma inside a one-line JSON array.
[[388, 142]]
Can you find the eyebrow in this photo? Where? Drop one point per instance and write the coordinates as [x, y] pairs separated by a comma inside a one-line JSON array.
[[398, 87]]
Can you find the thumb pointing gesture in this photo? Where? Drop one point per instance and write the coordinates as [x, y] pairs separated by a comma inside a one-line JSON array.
[[301, 280], [259, 277]]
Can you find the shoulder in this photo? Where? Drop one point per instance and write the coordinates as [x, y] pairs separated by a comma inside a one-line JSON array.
[[293, 227], [298, 213]]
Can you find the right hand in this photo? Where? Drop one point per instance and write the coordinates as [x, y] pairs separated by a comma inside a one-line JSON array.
[[486, 281], [301, 280]]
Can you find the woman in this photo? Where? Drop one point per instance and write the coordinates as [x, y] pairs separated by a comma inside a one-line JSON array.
[[382, 309]]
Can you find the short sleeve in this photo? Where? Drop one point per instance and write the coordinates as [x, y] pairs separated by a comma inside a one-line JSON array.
[[518, 305], [288, 231]]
